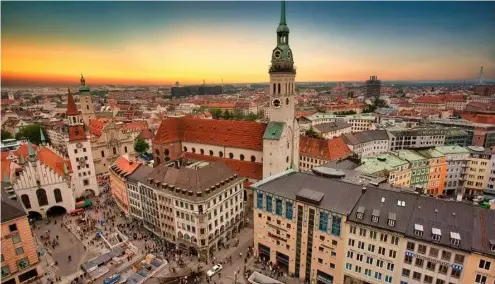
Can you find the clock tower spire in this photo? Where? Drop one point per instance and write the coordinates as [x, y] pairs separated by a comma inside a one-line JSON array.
[[281, 139]]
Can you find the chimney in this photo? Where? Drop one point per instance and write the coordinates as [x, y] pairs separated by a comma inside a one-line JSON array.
[[364, 189]]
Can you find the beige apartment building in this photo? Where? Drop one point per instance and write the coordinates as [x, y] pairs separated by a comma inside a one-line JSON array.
[[299, 219], [19, 254], [478, 170], [376, 231]]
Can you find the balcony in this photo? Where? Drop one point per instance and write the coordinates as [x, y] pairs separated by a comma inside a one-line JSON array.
[[282, 69]]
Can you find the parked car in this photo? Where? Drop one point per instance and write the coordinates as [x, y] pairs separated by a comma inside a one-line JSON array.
[[214, 270]]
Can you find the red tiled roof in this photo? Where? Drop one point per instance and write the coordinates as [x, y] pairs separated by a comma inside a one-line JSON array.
[[53, 160], [5, 169], [243, 168], [125, 165], [76, 133], [454, 98], [71, 105], [228, 133], [221, 105], [479, 118], [135, 126], [5, 155], [24, 151], [146, 134], [332, 149], [429, 100], [96, 126]]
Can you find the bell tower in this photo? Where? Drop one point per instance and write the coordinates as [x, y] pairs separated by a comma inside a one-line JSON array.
[[87, 108], [80, 155], [281, 138]]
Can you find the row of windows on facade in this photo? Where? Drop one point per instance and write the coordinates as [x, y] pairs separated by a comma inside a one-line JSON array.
[[41, 197], [368, 272], [324, 216], [220, 154], [455, 271], [21, 265], [394, 240], [435, 253]]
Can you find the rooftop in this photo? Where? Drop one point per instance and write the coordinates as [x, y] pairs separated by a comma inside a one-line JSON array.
[[410, 155], [452, 149], [431, 153], [333, 195], [11, 209], [382, 162]]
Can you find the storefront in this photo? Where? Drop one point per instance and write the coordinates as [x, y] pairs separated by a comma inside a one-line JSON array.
[[282, 261], [323, 278], [264, 252]]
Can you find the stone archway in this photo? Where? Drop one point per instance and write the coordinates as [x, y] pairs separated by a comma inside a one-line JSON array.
[[56, 211], [33, 215], [88, 193]]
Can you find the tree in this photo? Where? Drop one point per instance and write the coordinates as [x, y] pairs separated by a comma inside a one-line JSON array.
[[32, 134], [141, 146], [6, 135], [312, 133]]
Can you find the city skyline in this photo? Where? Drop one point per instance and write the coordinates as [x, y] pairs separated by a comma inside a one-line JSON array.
[[164, 42]]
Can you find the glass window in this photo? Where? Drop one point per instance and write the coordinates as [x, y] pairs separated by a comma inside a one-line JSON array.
[[323, 222], [288, 210], [16, 238], [23, 263], [269, 203], [259, 202], [5, 271], [278, 207], [19, 251], [336, 225]]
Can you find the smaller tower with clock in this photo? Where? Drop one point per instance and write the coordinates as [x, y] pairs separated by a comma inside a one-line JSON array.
[[83, 179], [281, 139]]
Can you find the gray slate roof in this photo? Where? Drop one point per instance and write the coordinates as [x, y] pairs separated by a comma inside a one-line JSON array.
[[140, 174], [365, 136], [448, 216], [332, 126], [11, 209], [339, 197], [385, 204], [483, 232]]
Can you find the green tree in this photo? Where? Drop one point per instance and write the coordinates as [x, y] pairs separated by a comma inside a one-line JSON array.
[[6, 135], [227, 115], [216, 113], [312, 133], [141, 146], [32, 133], [252, 117]]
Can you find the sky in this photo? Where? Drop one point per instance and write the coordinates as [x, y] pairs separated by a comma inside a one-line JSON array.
[[164, 42]]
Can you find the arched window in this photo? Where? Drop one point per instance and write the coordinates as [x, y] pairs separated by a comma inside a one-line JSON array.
[[25, 201], [287, 159], [211, 153], [202, 151], [114, 151], [125, 149], [287, 101], [166, 152], [231, 156], [158, 160], [253, 159], [41, 195], [167, 159], [193, 150], [220, 154], [274, 88], [103, 154], [58, 195], [185, 149], [87, 107], [157, 152], [241, 157], [278, 88]]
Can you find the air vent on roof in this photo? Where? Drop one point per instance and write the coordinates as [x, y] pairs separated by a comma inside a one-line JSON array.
[[383, 199], [436, 210], [453, 213]]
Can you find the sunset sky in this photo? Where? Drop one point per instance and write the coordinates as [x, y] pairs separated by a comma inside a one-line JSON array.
[[164, 42]]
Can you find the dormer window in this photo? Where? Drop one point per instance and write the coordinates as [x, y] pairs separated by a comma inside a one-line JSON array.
[[392, 217], [436, 234], [492, 245], [418, 230], [375, 215], [455, 238], [360, 213]]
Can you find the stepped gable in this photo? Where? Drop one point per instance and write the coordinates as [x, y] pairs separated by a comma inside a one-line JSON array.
[[227, 133]]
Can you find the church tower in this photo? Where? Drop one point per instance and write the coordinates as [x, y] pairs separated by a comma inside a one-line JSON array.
[[80, 154], [87, 108], [281, 138]]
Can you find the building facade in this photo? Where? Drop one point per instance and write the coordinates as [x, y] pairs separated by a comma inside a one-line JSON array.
[[478, 170], [456, 158], [19, 254], [301, 229], [402, 138], [118, 172], [368, 143], [373, 87], [198, 207]]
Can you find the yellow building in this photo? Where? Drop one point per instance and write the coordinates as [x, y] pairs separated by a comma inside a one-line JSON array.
[[299, 219], [480, 267], [19, 254], [397, 170], [478, 170]]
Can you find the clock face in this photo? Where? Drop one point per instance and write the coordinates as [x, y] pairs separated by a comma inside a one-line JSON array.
[[276, 103], [277, 54], [82, 163]]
